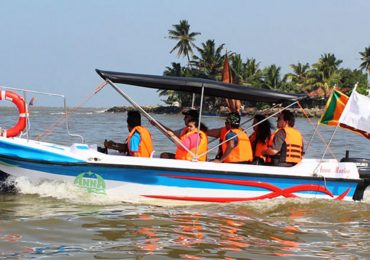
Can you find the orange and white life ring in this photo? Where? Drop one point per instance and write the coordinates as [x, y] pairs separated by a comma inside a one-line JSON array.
[[22, 110]]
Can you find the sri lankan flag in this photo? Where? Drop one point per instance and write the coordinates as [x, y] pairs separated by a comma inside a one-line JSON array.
[[334, 108]]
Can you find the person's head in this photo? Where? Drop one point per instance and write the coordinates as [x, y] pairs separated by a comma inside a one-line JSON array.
[[133, 119], [262, 130], [233, 120], [286, 118], [257, 118], [190, 114], [192, 124]]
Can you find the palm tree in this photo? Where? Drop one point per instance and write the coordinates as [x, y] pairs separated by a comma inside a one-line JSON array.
[[185, 39], [365, 57], [325, 72], [210, 62], [299, 72], [327, 65], [183, 98], [272, 78], [299, 77], [237, 68], [253, 74]]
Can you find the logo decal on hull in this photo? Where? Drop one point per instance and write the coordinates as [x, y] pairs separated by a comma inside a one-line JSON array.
[[91, 182]]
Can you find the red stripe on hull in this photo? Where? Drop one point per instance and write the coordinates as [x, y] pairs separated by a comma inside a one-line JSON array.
[[275, 191]]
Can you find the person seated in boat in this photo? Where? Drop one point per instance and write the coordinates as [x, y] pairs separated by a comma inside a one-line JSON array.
[[195, 141], [219, 133], [260, 138], [238, 148], [139, 141], [189, 116], [286, 147]]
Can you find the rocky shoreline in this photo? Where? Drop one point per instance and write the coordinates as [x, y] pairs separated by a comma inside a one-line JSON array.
[[250, 111]]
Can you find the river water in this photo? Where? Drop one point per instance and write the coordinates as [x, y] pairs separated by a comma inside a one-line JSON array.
[[56, 221]]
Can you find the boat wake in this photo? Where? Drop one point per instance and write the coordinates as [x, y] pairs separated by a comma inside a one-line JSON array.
[[367, 195], [69, 192], [60, 190]]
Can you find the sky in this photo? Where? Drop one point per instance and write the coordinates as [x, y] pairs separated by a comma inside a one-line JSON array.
[[55, 46]]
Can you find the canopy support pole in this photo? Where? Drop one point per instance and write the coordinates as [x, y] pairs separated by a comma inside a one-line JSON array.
[[149, 117], [199, 121], [193, 101]]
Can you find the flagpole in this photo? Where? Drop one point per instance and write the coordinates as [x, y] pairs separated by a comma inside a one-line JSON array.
[[313, 135], [331, 138]]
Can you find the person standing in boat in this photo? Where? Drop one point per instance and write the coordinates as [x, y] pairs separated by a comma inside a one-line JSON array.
[[139, 141], [286, 148], [260, 138], [238, 148]]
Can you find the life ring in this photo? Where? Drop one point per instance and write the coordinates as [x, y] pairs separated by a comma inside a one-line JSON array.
[[22, 110]]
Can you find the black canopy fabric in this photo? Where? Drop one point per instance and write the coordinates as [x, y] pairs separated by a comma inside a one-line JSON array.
[[194, 85]]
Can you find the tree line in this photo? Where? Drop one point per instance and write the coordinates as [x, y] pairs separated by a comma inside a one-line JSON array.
[[206, 61]]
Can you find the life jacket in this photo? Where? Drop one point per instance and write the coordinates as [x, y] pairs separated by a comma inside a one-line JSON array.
[[223, 132], [182, 154], [294, 145], [183, 131], [242, 152], [257, 146], [145, 145], [269, 144], [260, 147]]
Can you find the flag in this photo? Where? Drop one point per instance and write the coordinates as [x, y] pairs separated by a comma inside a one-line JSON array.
[[226, 73], [233, 104], [356, 114], [334, 108]]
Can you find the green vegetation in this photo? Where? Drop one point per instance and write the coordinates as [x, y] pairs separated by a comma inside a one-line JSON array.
[[316, 80]]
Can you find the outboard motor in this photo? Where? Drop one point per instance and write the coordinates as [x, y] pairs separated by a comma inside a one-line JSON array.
[[363, 166]]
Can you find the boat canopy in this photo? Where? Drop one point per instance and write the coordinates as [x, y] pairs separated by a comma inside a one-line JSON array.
[[195, 85]]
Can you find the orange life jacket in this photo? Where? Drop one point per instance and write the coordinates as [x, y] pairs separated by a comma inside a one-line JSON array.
[[223, 132], [145, 145], [294, 145], [269, 144], [182, 154], [183, 131], [258, 146], [242, 152], [252, 137]]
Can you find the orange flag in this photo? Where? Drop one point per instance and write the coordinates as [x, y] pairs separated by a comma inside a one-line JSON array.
[[226, 74], [233, 104]]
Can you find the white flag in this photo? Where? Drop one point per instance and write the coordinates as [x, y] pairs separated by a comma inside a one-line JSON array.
[[356, 114]]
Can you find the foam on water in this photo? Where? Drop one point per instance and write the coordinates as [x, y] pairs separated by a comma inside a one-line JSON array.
[[69, 192], [366, 198], [62, 190]]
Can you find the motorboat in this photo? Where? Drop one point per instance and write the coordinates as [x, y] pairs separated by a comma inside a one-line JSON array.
[[147, 179]]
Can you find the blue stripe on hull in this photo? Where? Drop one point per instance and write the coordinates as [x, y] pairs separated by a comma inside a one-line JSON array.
[[156, 176], [22, 151]]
